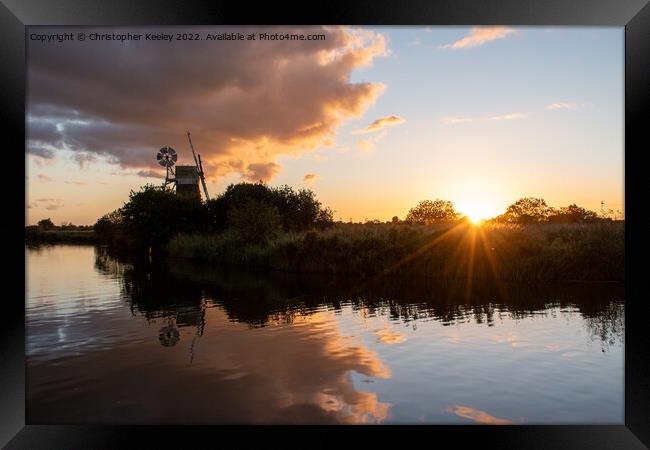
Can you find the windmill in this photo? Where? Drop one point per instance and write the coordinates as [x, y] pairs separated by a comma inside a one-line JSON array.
[[185, 178], [167, 157]]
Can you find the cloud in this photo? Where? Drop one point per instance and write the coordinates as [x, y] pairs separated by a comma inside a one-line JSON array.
[[150, 173], [479, 36], [261, 171], [562, 105], [478, 416], [44, 178], [319, 158], [380, 124], [310, 177], [456, 120], [511, 116], [78, 183], [50, 204], [367, 145], [122, 101]]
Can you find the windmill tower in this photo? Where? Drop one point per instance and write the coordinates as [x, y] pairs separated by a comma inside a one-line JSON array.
[[184, 178]]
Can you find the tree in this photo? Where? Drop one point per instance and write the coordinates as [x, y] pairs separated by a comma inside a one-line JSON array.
[[109, 226], [526, 210], [154, 215], [572, 214], [395, 220], [298, 210], [45, 224], [432, 211], [255, 221]]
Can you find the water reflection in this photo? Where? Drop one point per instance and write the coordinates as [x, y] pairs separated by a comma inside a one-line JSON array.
[[176, 342]]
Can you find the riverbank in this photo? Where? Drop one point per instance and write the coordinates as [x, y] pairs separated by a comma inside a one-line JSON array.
[[60, 236], [540, 252]]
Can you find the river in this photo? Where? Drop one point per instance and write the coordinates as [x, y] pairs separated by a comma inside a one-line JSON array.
[[112, 339]]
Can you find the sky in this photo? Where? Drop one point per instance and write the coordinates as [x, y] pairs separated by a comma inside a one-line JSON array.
[[372, 119]]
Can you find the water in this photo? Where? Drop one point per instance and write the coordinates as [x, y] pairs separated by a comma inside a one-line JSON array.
[[113, 340]]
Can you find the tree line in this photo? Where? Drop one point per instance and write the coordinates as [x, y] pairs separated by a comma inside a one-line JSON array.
[[526, 210], [256, 213]]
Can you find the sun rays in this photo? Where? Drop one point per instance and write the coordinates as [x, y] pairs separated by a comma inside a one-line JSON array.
[[472, 251]]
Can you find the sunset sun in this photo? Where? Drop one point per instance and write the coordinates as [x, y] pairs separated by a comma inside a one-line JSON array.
[[476, 212], [477, 199]]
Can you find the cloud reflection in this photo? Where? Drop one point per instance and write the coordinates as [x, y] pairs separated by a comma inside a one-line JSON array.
[[478, 416]]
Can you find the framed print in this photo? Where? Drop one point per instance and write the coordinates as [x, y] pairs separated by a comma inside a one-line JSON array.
[[420, 217]]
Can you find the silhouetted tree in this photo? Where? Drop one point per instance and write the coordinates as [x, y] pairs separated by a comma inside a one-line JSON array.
[[572, 214], [45, 224], [526, 210], [298, 210], [154, 215], [432, 211]]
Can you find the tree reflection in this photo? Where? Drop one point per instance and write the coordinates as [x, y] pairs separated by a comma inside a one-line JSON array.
[[183, 289]]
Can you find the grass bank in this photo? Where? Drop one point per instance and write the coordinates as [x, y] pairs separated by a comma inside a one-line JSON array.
[[542, 252]]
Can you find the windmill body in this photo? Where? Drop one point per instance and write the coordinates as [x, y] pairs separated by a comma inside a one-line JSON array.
[[184, 178]]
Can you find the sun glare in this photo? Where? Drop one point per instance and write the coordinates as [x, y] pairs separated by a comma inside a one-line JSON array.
[[477, 199]]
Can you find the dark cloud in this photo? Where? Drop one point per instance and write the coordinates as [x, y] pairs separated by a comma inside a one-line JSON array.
[[245, 103], [146, 173]]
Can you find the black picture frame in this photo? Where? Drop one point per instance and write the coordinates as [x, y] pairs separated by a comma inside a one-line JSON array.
[[634, 15]]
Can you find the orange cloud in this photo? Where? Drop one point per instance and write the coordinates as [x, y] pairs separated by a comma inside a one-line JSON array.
[[380, 124], [261, 171], [481, 35]]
